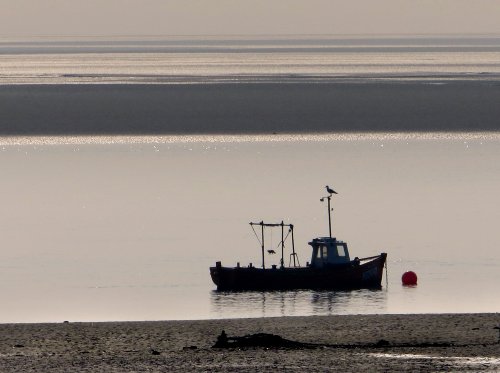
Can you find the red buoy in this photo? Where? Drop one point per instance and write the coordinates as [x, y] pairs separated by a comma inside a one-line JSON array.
[[409, 278]]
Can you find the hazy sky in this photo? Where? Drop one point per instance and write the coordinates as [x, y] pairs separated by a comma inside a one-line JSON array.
[[190, 17]]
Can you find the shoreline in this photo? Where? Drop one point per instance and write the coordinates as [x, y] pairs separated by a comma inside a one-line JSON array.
[[434, 342], [231, 319]]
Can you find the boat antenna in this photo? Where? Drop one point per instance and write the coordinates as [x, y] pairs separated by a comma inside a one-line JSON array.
[[329, 197]]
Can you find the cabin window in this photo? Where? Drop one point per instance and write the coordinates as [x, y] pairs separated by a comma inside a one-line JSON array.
[[322, 252], [340, 250], [324, 249]]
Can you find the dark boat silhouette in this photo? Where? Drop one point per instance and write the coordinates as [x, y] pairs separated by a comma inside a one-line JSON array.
[[330, 267]]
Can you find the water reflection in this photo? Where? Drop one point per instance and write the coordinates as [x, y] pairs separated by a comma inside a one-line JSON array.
[[297, 303], [454, 362]]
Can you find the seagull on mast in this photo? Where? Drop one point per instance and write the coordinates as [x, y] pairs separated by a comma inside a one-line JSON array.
[[330, 190]]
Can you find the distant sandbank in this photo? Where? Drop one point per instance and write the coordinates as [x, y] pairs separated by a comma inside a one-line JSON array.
[[438, 342], [249, 108]]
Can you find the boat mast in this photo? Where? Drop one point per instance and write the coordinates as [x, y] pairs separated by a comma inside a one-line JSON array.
[[262, 226], [282, 244], [293, 247], [329, 197]]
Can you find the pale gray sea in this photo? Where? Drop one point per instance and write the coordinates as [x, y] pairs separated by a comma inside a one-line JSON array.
[[101, 228], [125, 229]]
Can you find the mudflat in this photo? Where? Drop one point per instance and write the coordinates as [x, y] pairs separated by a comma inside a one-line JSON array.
[[357, 343], [248, 108]]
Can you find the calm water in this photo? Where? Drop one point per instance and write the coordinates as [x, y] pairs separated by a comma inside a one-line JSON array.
[[126, 228]]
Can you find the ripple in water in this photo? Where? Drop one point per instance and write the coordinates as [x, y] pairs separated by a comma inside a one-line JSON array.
[[297, 303]]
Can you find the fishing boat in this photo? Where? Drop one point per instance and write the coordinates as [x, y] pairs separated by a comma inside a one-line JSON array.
[[330, 268]]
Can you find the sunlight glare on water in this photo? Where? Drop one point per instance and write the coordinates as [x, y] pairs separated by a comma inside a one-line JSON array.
[[264, 138], [184, 61]]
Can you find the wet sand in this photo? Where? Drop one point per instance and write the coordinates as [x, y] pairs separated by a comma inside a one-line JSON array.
[[469, 342], [294, 107]]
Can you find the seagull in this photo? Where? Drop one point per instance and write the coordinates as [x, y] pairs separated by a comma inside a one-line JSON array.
[[271, 251], [330, 190]]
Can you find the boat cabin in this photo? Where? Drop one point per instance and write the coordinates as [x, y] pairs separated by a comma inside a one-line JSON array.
[[328, 251]]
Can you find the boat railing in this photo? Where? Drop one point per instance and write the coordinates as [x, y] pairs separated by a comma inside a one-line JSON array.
[[367, 258]]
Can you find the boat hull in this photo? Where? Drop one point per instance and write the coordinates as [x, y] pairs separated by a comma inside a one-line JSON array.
[[355, 275]]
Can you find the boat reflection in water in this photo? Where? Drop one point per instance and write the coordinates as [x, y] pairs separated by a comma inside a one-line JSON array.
[[297, 303]]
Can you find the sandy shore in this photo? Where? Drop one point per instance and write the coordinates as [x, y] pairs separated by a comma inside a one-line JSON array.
[[169, 345], [76, 109]]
